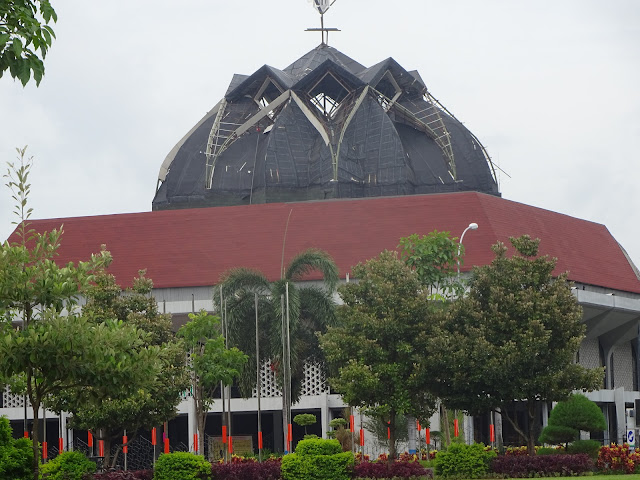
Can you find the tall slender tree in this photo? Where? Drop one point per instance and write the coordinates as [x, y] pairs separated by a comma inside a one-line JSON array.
[[310, 310]]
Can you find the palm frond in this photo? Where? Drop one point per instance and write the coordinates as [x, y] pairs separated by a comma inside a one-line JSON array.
[[310, 260], [241, 279]]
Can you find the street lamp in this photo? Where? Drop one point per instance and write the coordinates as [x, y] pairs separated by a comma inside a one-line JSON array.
[[472, 226]]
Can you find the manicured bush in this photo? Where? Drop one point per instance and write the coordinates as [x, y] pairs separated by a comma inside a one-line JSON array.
[[128, 475], [318, 446], [317, 459], [16, 456], [548, 451], [618, 458], [590, 447], [398, 469], [67, 466], [247, 470], [181, 466], [569, 417], [553, 434], [521, 466], [470, 461]]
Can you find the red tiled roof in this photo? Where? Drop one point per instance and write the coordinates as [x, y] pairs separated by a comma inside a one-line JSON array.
[[187, 248]]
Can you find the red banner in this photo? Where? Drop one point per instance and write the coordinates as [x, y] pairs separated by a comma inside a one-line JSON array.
[[125, 447], [352, 423], [289, 433], [492, 433], [154, 437], [419, 427], [90, 438], [388, 433], [260, 440], [455, 428], [60, 445], [427, 436], [195, 443], [26, 434], [362, 437], [224, 434], [101, 448], [45, 451], [230, 444], [166, 445]]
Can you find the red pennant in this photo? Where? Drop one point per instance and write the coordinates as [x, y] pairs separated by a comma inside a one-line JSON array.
[[352, 424], [154, 438], [195, 443], [427, 435], [45, 451], [290, 434], [26, 434], [419, 427], [388, 433], [125, 447], [456, 431], [90, 439], [224, 434], [166, 445], [60, 445], [362, 437], [492, 433], [260, 440], [230, 444], [101, 448]]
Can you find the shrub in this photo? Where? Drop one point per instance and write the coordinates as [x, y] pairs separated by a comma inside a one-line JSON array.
[[247, 470], [569, 417], [128, 475], [181, 466], [541, 465], [618, 458], [558, 434], [67, 466], [590, 447], [548, 451], [471, 461], [318, 446], [16, 456], [398, 469], [317, 459]]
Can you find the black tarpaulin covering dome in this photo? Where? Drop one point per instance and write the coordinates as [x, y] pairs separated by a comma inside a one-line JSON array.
[[324, 127]]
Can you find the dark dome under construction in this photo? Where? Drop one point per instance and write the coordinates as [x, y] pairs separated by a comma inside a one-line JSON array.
[[324, 127]]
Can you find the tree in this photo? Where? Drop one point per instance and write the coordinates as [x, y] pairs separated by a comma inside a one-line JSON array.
[[25, 29], [16, 456], [55, 349], [569, 417], [211, 363], [143, 408], [376, 349], [304, 420], [514, 337], [311, 309]]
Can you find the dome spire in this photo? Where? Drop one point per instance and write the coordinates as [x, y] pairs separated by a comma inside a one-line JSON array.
[[322, 6]]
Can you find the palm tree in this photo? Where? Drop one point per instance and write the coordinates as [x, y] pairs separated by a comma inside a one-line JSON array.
[[311, 310]]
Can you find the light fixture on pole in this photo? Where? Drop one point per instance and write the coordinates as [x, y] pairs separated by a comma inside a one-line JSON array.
[[472, 226]]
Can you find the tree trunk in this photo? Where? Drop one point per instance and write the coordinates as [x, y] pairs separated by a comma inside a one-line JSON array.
[[392, 436], [34, 431], [531, 424], [444, 423]]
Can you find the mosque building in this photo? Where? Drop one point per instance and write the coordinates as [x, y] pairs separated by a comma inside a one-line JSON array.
[[335, 155]]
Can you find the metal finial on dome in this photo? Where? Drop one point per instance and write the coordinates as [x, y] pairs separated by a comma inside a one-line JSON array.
[[322, 6]]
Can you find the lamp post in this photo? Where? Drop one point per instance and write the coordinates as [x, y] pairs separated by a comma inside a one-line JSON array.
[[472, 226]]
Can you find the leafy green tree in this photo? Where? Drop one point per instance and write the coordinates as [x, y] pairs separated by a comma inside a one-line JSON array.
[[375, 351], [143, 408], [16, 456], [211, 363], [569, 417], [55, 349], [514, 337], [24, 30], [434, 257], [304, 420]]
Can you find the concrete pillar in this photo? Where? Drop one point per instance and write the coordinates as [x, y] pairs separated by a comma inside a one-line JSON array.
[[411, 430], [498, 428], [324, 414], [467, 423], [192, 424], [621, 420]]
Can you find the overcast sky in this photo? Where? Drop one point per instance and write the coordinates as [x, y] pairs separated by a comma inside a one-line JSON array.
[[550, 87]]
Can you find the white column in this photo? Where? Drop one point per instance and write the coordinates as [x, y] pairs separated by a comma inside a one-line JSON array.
[[324, 414], [411, 430]]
